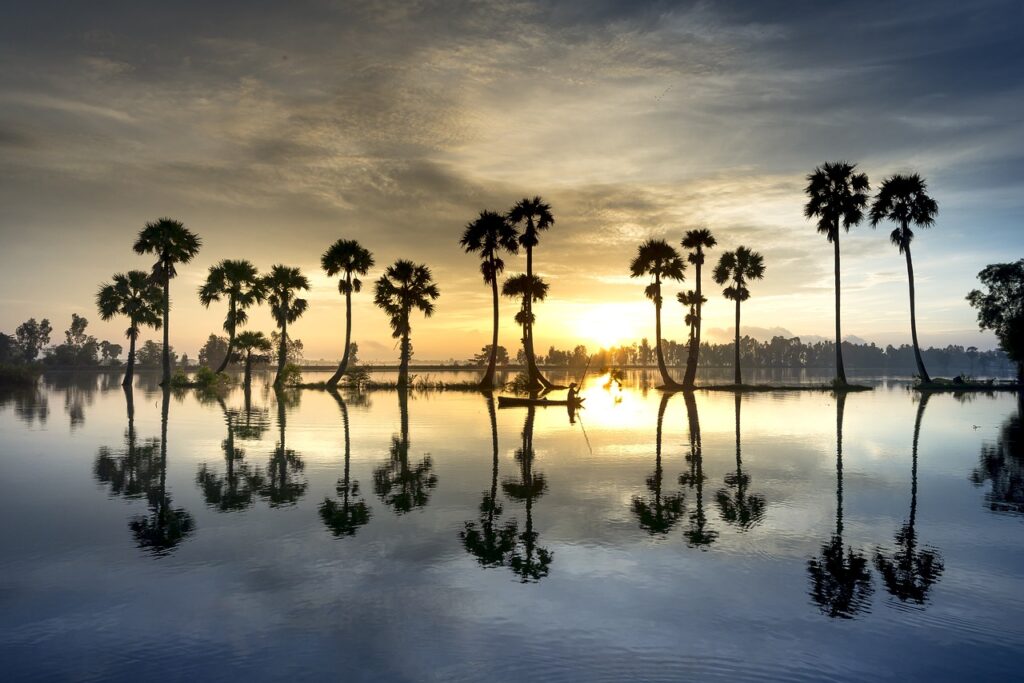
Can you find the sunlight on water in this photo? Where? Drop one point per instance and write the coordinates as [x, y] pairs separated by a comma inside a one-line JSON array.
[[435, 536]]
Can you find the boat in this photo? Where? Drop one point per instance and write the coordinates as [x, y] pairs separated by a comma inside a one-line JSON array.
[[521, 402]]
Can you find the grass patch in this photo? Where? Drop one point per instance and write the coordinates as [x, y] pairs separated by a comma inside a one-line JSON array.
[[204, 379]]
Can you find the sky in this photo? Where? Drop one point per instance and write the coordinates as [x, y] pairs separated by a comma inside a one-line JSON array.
[[273, 129]]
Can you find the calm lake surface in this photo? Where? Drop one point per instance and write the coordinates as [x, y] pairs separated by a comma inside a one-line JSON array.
[[432, 537]]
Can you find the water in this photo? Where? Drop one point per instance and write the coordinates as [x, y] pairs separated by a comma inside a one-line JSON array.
[[400, 547]]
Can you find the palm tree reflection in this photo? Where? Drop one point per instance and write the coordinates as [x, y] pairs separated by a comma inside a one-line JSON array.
[[736, 506], [282, 487], [698, 535], [529, 560], [1002, 463], [165, 526], [490, 540], [400, 485], [840, 577], [910, 572], [659, 513], [236, 488], [344, 518]]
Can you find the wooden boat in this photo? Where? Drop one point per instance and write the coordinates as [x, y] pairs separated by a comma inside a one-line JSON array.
[[521, 402]]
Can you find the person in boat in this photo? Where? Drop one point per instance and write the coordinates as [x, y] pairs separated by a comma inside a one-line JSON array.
[[573, 396]]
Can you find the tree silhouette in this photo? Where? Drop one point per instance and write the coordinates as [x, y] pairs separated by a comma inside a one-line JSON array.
[[165, 526], [659, 514], [910, 572], [698, 535], [904, 200], [1001, 308], [489, 540], [737, 507], [282, 286], [837, 196], [530, 217], [738, 267], [241, 284], [172, 243], [400, 485], [529, 560], [1002, 463], [135, 296], [248, 343], [349, 259], [489, 235], [696, 241], [236, 488], [659, 260], [840, 577], [526, 289], [133, 470], [280, 486], [346, 517], [405, 286]]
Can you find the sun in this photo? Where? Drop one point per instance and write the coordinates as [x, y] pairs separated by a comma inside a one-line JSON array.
[[605, 325]]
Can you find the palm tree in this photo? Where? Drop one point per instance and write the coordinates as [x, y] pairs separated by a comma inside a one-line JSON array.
[[737, 507], [659, 514], [349, 258], [693, 302], [904, 200], [172, 243], [698, 535], [529, 560], [136, 296], [909, 573], [403, 287], [739, 267], [282, 285], [282, 486], [236, 488], [489, 235], [530, 216], [659, 260], [526, 289], [696, 241], [837, 197], [840, 578], [239, 281], [398, 483], [248, 342], [346, 518]]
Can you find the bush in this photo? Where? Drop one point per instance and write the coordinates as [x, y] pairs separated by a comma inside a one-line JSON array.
[[291, 375], [18, 375]]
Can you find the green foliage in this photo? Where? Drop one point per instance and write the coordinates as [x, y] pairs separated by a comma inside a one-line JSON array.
[[213, 351], [1001, 307], [32, 337], [291, 375]]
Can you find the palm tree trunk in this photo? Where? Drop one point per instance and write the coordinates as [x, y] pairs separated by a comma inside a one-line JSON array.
[[840, 370], [537, 380], [282, 351], [913, 319], [343, 365], [231, 339], [167, 332], [403, 367], [690, 378], [487, 383], [739, 380], [129, 371], [666, 379], [248, 370]]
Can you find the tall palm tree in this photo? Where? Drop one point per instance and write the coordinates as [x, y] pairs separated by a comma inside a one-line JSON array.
[[837, 196], [405, 286], [661, 261], [135, 296], [696, 241], [240, 282], [526, 288], [910, 572], [248, 342], [530, 217], [738, 268], [489, 235], [904, 200], [840, 577], [282, 285], [350, 259], [693, 301], [172, 243]]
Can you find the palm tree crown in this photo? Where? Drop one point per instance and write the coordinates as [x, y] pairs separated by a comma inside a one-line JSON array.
[[904, 200], [522, 286], [349, 258], [739, 267], [282, 284], [240, 282], [405, 286], [697, 241], [489, 235], [533, 215], [133, 295], [171, 241], [659, 260], [837, 196]]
